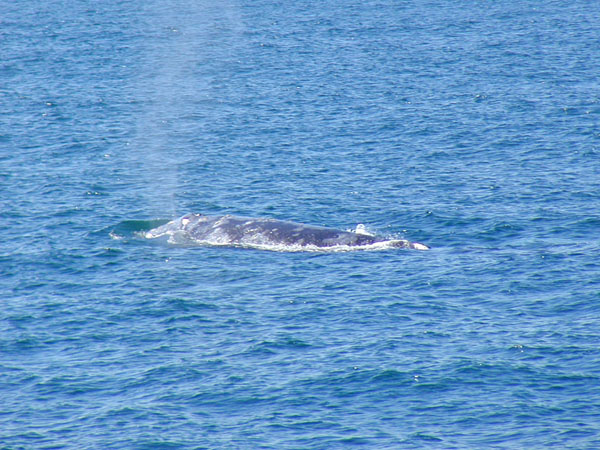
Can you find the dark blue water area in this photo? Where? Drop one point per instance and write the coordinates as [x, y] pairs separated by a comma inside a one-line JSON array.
[[472, 127]]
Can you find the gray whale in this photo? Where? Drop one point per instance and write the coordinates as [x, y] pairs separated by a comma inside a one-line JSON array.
[[268, 233]]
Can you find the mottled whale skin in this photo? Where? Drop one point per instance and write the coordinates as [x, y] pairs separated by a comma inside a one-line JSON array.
[[246, 231]]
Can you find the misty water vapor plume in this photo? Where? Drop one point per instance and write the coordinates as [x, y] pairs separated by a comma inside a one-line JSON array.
[[177, 80]]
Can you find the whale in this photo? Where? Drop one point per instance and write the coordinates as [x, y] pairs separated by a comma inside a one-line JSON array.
[[267, 233]]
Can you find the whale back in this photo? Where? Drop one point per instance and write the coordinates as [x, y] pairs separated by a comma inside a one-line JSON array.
[[266, 233]]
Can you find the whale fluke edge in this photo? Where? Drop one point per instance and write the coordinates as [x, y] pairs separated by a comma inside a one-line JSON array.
[[269, 234]]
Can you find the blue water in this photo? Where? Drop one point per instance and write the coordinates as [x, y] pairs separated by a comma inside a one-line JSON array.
[[473, 127]]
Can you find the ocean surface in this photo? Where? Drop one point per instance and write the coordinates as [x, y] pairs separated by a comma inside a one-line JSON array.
[[470, 126]]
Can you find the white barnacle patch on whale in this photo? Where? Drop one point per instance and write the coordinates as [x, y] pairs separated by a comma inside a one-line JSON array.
[[361, 229]]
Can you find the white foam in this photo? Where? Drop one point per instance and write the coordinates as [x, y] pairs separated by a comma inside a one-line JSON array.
[[285, 248], [115, 236]]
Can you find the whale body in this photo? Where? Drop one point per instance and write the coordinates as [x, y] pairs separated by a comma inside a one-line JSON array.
[[266, 233]]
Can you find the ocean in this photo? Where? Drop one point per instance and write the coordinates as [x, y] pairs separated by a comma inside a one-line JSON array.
[[470, 126]]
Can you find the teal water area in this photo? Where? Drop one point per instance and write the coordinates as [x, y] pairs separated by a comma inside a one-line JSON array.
[[472, 127]]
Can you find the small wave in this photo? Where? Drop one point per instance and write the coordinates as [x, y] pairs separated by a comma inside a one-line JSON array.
[[132, 228]]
